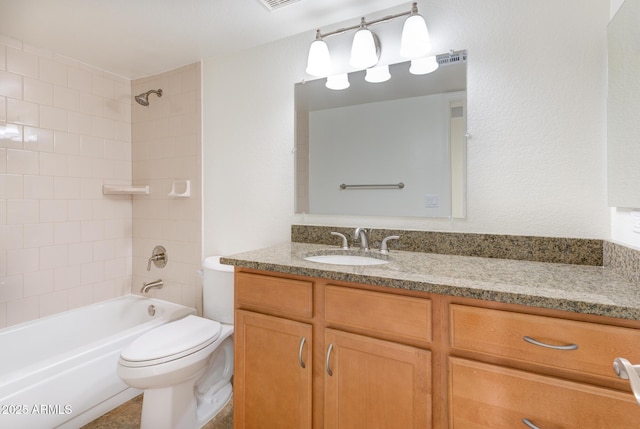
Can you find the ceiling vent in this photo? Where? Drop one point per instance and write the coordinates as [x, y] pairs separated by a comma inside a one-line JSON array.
[[276, 4]]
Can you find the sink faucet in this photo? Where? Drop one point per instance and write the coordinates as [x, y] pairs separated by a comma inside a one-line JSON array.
[[361, 234]]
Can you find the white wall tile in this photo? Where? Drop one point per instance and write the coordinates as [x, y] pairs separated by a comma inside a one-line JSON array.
[[53, 118], [67, 232], [11, 186], [21, 62], [38, 283], [11, 237], [38, 187], [22, 112], [80, 253], [53, 210], [12, 288], [38, 234], [66, 143], [22, 162], [38, 139], [67, 277], [22, 211], [53, 72], [52, 303], [23, 310], [80, 123], [38, 91], [79, 79], [11, 85], [52, 257], [3, 57], [20, 261], [53, 164], [3, 109], [66, 188], [79, 296], [66, 98]]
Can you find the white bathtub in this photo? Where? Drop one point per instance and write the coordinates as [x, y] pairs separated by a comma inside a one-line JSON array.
[[60, 371]]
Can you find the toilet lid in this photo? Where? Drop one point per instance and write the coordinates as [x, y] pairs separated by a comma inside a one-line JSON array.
[[173, 340]]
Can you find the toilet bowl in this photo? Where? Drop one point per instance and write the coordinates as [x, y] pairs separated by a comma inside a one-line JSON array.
[[185, 367]]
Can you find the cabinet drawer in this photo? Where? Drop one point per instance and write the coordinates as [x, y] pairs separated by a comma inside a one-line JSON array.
[[377, 313], [501, 334], [274, 294], [493, 397]]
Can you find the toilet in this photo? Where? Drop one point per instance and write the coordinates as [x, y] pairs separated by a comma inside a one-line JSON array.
[[185, 367]]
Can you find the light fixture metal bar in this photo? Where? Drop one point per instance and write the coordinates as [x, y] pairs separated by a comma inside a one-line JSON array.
[[367, 23]]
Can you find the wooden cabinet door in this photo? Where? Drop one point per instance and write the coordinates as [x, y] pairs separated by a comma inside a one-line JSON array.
[[273, 372], [485, 396], [375, 384]]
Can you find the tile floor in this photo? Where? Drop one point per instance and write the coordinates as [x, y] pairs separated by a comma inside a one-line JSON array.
[[127, 416]]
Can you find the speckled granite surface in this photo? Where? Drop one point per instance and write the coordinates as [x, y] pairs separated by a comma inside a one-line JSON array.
[[579, 288], [527, 248]]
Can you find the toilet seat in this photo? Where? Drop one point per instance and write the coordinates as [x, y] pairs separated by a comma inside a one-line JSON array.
[[171, 341]]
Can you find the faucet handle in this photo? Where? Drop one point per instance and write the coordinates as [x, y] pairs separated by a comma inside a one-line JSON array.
[[383, 247], [158, 257], [345, 241]]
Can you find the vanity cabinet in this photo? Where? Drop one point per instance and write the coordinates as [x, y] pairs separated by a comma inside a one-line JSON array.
[[315, 353], [529, 370], [348, 358]]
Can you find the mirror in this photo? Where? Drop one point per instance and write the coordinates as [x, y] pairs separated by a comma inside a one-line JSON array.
[[623, 104], [396, 148]]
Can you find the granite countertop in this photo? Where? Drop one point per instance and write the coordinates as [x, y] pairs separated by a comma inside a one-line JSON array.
[[578, 288]]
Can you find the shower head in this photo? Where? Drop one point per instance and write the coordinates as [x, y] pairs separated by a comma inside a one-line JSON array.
[[143, 99]]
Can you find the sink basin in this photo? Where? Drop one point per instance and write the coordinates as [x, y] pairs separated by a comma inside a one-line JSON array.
[[346, 260]]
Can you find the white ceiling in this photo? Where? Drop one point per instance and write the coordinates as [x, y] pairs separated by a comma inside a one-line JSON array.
[[138, 38]]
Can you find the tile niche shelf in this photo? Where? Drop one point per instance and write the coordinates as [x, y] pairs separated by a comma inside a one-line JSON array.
[[125, 189]]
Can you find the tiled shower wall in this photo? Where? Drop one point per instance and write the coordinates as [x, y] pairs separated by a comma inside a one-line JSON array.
[[65, 130], [167, 149]]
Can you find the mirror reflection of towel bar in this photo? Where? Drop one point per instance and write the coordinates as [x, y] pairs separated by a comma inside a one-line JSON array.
[[389, 186]]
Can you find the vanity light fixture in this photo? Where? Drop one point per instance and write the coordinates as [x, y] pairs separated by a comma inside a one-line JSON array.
[[319, 60], [378, 74], [338, 82], [424, 65], [415, 42], [365, 48]]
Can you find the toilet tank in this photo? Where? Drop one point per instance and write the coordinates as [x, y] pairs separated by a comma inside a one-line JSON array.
[[217, 290]]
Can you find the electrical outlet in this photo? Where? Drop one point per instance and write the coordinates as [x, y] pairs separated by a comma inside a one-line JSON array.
[[432, 201]]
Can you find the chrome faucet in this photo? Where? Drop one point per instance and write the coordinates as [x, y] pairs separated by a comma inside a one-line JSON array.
[[159, 257], [384, 248], [154, 284], [361, 234]]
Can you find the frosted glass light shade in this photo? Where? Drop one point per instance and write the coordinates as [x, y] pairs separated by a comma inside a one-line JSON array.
[[415, 42], [319, 60], [424, 65], [364, 49], [338, 82], [378, 74]]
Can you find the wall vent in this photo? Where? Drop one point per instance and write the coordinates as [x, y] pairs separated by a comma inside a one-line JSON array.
[[276, 4], [452, 58]]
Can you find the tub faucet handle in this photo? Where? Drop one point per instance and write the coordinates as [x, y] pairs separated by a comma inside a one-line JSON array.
[[158, 257]]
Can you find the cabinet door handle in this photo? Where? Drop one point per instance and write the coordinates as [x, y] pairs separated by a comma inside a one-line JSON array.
[[529, 424], [329, 357], [302, 341], [550, 346]]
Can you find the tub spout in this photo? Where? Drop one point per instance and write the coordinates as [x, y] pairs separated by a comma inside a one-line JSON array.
[[154, 284]]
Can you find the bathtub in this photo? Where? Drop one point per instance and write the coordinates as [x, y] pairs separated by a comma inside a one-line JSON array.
[[60, 371]]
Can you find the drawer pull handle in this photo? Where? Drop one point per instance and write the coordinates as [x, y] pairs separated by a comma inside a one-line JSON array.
[[550, 346], [626, 371], [529, 424], [302, 341], [329, 357]]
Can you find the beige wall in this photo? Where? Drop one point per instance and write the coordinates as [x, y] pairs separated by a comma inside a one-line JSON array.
[[536, 113], [167, 148], [67, 131]]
